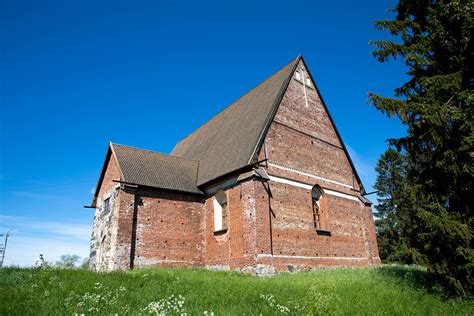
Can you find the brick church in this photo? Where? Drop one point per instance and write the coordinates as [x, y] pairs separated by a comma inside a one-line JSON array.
[[266, 182]]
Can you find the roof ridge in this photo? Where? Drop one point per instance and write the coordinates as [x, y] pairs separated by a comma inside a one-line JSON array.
[[154, 152], [235, 101]]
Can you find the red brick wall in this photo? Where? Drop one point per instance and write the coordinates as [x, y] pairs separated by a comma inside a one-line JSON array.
[[111, 173], [168, 229], [371, 237], [236, 247], [312, 119], [292, 149], [124, 223], [298, 140]]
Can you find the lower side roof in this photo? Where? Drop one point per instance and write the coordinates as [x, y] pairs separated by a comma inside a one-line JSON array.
[[153, 169]]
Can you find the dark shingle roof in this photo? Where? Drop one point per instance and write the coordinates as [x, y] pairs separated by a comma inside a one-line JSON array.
[[149, 168], [228, 141]]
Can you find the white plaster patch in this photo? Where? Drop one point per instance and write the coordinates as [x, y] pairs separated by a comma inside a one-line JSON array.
[[309, 187], [264, 255], [289, 169], [222, 185], [148, 262]]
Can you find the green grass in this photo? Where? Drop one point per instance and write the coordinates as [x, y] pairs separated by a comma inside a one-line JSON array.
[[388, 290]]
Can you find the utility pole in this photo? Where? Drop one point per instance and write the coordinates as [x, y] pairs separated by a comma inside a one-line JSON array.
[[3, 247]]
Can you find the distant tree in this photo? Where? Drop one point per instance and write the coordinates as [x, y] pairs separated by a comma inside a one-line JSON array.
[[390, 183], [85, 263], [67, 261], [435, 215]]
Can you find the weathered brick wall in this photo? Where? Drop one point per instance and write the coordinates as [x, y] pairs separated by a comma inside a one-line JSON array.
[[124, 223], [168, 229], [298, 151], [104, 232], [369, 227], [236, 247], [295, 239], [302, 146]]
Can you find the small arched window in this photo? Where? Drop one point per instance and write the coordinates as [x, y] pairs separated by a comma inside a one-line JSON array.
[[298, 74], [107, 205], [220, 211], [318, 212]]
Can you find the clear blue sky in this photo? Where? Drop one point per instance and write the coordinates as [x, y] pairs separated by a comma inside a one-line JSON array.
[[75, 75]]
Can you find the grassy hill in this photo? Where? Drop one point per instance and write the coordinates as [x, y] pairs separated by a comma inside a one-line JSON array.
[[388, 290]]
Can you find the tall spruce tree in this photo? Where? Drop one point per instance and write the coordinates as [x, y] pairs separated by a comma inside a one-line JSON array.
[[435, 105]]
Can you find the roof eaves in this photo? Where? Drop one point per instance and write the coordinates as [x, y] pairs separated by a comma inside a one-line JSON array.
[[365, 200], [207, 183], [197, 192]]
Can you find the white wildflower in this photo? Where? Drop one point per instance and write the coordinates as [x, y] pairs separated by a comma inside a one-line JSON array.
[[272, 303], [172, 304]]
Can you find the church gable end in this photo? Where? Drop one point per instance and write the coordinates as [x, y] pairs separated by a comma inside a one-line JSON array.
[[302, 136], [302, 152]]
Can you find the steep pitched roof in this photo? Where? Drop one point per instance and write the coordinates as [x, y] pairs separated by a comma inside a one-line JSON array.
[[152, 169], [226, 143], [229, 140]]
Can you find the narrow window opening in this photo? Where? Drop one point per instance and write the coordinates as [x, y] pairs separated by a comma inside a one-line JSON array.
[[320, 212], [316, 195], [107, 205], [298, 75], [224, 215], [220, 212]]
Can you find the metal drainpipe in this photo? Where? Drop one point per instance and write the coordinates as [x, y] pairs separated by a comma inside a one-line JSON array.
[[133, 242]]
